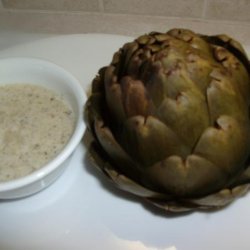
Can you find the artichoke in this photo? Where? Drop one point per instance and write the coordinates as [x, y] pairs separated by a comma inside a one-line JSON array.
[[169, 120]]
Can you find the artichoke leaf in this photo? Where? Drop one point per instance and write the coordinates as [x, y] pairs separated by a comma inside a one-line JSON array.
[[232, 105], [148, 140], [135, 98], [210, 202], [221, 198], [127, 184], [231, 45], [101, 161], [187, 115], [243, 178], [192, 39], [93, 109], [114, 151], [199, 69], [216, 145], [185, 177], [154, 78], [114, 99]]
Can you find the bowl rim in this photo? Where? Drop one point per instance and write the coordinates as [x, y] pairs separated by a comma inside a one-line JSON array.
[[72, 143]]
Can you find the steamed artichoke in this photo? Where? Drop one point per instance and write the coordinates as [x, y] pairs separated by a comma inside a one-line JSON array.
[[170, 119]]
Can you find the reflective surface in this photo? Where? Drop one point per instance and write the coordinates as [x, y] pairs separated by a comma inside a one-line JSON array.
[[82, 210]]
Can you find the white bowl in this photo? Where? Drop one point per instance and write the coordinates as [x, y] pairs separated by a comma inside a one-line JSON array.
[[47, 74]]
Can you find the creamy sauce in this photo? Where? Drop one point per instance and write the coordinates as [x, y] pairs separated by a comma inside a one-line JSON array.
[[35, 124]]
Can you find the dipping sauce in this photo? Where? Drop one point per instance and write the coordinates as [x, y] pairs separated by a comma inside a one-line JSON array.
[[35, 125]]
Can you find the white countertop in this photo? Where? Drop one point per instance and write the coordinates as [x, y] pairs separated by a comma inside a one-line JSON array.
[[82, 210]]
